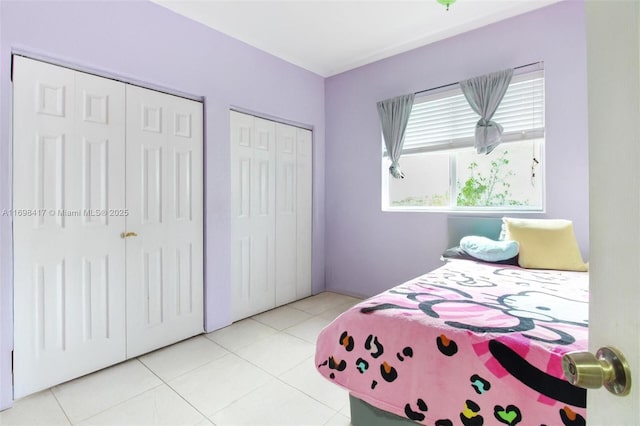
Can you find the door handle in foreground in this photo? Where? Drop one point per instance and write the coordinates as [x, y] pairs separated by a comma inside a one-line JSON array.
[[128, 234], [608, 368]]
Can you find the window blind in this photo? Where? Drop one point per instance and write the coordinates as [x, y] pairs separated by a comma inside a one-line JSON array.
[[446, 121]]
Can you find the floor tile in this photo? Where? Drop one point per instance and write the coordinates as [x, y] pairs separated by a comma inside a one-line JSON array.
[[309, 329], [89, 395], [333, 313], [240, 334], [282, 317], [205, 379], [38, 409], [338, 420], [305, 378], [274, 403], [160, 406], [346, 410], [321, 302], [278, 353], [175, 360], [215, 385]]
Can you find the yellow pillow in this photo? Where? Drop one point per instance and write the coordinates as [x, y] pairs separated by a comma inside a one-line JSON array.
[[545, 243]]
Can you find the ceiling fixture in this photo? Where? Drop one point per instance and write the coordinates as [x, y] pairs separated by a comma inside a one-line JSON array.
[[446, 2]]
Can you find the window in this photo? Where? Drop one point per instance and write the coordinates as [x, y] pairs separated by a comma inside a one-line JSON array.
[[442, 170]]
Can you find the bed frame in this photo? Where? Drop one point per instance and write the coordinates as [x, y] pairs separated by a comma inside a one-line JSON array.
[[365, 414]]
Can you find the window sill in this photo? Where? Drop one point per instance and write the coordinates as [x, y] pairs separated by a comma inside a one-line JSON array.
[[475, 212]]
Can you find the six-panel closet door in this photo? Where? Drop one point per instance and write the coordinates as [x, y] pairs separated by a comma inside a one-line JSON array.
[[293, 213], [165, 201], [107, 222], [253, 169], [69, 267], [270, 214], [304, 205]]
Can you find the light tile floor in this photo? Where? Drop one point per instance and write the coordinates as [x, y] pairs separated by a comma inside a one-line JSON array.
[[259, 371]]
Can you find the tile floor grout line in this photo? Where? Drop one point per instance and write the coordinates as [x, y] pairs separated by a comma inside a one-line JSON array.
[[319, 313], [108, 408], [287, 370], [116, 405], [290, 305], [271, 375], [254, 320], [298, 364], [60, 405], [297, 309], [188, 371], [313, 316], [244, 394], [255, 365], [305, 393], [178, 393], [312, 359], [292, 325], [245, 345], [293, 335]]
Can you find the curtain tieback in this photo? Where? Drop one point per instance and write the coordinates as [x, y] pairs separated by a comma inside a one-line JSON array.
[[488, 135], [395, 171], [489, 123]]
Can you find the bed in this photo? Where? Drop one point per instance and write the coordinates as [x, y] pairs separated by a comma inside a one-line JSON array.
[[471, 343]]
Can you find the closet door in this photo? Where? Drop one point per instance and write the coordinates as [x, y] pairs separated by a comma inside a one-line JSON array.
[[293, 214], [253, 152], [286, 211], [165, 222], [270, 215], [69, 272], [304, 197]]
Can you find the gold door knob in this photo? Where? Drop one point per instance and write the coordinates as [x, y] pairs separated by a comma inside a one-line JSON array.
[[608, 368], [128, 234]]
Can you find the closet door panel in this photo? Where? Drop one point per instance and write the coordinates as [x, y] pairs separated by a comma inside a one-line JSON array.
[[242, 139], [252, 215], [304, 200], [186, 214], [263, 210], [165, 221], [286, 211], [68, 149], [100, 196]]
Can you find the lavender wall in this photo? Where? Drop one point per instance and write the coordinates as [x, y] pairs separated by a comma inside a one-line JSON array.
[[144, 42], [368, 250]]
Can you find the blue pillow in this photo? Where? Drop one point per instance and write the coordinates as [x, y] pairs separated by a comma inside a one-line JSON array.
[[487, 249]]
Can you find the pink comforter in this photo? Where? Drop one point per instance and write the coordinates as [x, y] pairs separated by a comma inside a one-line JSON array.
[[469, 343]]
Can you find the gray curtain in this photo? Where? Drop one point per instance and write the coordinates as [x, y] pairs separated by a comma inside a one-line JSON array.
[[484, 94], [394, 115]]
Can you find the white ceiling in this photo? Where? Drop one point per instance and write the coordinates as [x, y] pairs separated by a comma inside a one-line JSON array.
[[328, 37]]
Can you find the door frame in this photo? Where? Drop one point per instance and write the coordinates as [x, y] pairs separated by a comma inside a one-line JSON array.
[[6, 227]]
